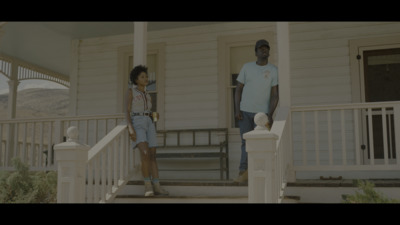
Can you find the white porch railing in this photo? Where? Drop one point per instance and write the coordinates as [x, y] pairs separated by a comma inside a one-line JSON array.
[[269, 158], [110, 164], [32, 140], [346, 137], [93, 175]]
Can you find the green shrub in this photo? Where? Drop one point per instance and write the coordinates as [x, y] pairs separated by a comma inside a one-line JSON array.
[[24, 186], [368, 195]]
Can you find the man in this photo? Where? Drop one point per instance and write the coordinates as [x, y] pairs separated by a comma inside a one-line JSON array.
[[256, 91]]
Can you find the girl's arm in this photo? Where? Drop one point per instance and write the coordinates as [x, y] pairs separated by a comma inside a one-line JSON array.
[[128, 105]]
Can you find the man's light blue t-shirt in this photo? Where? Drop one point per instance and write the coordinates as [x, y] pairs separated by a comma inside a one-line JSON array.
[[258, 81]]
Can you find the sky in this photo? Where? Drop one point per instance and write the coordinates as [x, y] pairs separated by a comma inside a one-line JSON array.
[[26, 84]]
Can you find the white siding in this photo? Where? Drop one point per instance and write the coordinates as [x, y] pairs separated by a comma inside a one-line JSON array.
[[191, 76], [191, 72], [320, 64], [97, 74]]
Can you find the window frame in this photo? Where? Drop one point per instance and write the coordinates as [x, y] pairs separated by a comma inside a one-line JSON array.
[[124, 53], [225, 43]]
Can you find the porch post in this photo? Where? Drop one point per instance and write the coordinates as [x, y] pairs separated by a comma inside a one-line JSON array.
[[13, 88], [12, 139], [140, 43], [283, 42], [282, 30], [262, 155], [71, 166]]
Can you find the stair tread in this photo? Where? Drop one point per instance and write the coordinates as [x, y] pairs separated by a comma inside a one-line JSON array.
[[192, 183], [178, 196]]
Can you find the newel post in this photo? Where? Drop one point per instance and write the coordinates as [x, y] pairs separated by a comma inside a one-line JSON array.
[[71, 158], [261, 151]]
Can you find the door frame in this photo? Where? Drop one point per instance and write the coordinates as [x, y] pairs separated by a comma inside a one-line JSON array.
[[357, 48], [365, 44]]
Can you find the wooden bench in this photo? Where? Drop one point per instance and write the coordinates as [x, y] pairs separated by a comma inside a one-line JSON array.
[[196, 143]]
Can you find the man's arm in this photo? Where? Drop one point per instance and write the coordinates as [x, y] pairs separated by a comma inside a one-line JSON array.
[[273, 103], [238, 98]]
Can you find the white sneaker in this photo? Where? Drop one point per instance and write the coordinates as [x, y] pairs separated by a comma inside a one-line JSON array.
[[148, 189]]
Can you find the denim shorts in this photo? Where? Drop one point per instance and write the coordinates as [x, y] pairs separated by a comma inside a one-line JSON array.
[[145, 131]]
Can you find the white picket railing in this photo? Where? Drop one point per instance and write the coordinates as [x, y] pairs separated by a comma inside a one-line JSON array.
[[322, 138], [346, 137], [109, 166], [32, 140], [269, 158]]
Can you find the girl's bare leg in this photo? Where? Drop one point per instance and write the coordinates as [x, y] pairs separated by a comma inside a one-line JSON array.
[[154, 173], [145, 159], [153, 163]]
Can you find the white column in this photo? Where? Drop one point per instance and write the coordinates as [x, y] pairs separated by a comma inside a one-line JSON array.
[[12, 140], [71, 166], [283, 42], [140, 43], [282, 35], [13, 89]]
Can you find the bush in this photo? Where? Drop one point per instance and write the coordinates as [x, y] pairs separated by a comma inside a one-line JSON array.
[[368, 195], [23, 186]]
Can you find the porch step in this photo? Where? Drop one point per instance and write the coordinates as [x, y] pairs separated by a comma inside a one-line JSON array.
[[191, 191], [187, 191]]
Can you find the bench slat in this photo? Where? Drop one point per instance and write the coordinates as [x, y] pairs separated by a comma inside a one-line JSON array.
[[191, 155]]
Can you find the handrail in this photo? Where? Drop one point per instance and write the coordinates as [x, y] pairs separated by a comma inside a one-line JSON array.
[[344, 106], [269, 156], [281, 128], [109, 166]]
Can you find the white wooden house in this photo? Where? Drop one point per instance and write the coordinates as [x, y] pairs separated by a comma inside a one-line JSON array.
[[338, 116]]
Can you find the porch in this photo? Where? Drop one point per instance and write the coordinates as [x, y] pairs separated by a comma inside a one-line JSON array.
[[325, 142]]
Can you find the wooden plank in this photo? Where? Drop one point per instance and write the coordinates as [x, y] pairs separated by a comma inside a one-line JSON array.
[[192, 155]]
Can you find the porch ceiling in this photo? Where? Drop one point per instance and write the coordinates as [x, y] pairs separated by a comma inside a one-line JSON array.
[[47, 44], [97, 29]]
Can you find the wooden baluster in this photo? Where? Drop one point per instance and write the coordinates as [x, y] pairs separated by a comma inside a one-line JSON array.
[[385, 137], [330, 138], [316, 133], [371, 137], [357, 136], [303, 135], [343, 133]]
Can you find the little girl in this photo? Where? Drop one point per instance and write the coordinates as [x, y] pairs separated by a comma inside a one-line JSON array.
[[142, 130]]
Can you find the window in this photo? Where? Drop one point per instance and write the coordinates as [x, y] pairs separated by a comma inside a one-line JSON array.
[[238, 56], [233, 52], [152, 68], [156, 70]]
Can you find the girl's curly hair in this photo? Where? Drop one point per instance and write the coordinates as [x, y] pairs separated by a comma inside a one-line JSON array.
[[135, 73]]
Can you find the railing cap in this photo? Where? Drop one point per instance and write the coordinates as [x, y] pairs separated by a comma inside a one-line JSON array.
[[72, 141], [260, 134]]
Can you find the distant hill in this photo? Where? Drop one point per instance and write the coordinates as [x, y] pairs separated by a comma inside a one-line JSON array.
[[38, 102]]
